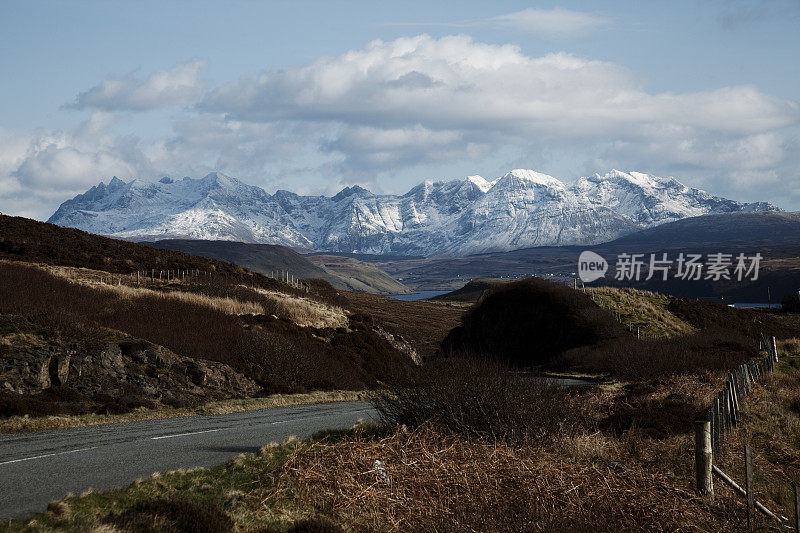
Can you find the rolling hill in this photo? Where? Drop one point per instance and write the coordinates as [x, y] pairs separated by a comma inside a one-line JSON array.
[[81, 331], [358, 275], [274, 260]]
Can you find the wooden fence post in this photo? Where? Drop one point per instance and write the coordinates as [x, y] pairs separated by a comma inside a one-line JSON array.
[[715, 424], [726, 419], [729, 400], [748, 486], [703, 457], [796, 507]]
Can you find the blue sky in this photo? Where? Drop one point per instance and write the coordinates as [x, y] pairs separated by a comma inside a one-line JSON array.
[[312, 96]]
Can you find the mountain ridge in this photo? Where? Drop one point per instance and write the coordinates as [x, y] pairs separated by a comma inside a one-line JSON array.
[[520, 209]]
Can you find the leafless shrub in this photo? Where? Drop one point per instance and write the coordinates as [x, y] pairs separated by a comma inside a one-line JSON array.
[[482, 398]]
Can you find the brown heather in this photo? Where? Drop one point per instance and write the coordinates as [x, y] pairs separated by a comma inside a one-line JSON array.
[[444, 482]]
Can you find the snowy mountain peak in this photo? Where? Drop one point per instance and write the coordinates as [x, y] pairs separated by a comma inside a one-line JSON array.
[[520, 209], [534, 177], [354, 190], [115, 183], [480, 182]]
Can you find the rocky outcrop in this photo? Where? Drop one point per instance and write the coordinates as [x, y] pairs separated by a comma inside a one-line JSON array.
[[125, 368]]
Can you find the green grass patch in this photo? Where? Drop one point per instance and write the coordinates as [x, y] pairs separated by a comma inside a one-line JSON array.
[[646, 310]]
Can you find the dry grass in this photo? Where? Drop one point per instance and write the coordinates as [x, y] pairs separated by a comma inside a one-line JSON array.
[[770, 425], [428, 481], [789, 347], [306, 312], [647, 310], [16, 339], [94, 279], [24, 424], [229, 306]]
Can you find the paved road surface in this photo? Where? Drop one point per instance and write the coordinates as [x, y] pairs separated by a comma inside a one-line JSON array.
[[36, 468]]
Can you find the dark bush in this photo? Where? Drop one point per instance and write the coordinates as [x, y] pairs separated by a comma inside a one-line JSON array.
[[51, 401], [791, 303], [631, 359], [172, 515], [529, 322], [305, 525], [640, 407], [749, 322], [482, 398], [117, 404]]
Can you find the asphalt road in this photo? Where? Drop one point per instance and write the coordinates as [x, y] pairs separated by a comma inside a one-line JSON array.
[[37, 468]]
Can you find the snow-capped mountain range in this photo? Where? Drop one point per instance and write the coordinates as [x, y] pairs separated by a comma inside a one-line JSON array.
[[523, 208]]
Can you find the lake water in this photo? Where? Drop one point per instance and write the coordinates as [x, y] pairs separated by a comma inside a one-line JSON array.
[[570, 382], [746, 305], [421, 295]]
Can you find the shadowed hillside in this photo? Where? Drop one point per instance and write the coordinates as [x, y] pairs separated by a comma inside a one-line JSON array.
[[23, 239], [472, 291], [72, 300], [272, 260], [358, 275], [266, 259]]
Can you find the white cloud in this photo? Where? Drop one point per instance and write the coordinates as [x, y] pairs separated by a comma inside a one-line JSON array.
[[180, 85], [460, 84], [59, 161], [699, 151], [556, 22], [371, 150], [41, 169], [420, 100], [404, 107]]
